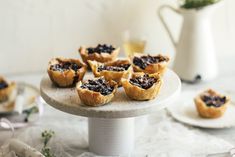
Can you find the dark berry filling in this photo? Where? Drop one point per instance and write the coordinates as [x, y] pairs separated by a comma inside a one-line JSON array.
[[62, 66], [144, 81], [121, 67], [99, 85], [3, 85], [144, 61], [213, 100], [101, 49]]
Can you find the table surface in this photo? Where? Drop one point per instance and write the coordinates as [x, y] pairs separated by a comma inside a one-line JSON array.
[[224, 81]]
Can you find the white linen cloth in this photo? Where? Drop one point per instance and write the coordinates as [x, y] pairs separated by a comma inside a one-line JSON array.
[[16, 148], [162, 137]]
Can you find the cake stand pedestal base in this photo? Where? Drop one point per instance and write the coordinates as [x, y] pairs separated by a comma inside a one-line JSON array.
[[110, 137]]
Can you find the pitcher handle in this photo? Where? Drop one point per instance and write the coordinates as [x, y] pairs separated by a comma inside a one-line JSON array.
[[164, 22]]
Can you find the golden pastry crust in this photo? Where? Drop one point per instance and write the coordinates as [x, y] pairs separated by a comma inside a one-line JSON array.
[[102, 57], [5, 93], [210, 111], [109, 74], [69, 77], [94, 99], [137, 93], [159, 67]]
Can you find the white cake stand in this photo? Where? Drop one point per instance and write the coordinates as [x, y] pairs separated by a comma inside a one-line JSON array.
[[111, 127]]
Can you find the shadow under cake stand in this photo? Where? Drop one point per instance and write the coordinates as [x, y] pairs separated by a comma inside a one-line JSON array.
[[111, 127]]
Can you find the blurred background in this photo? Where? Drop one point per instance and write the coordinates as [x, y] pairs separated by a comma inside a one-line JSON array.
[[33, 31]]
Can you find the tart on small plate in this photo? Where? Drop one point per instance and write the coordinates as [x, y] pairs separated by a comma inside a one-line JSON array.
[[101, 53], [96, 92], [149, 64], [211, 104], [6, 89], [142, 86], [115, 70], [65, 72]]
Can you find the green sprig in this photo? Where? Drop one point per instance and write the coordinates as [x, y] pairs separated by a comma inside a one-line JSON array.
[[29, 112], [46, 136], [190, 4]]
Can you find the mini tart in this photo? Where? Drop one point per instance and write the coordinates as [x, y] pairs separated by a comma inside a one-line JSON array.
[[149, 91], [96, 94], [65, 72], [211, 104], [149, 64], [97, 54], [6, 89], [115, 70]]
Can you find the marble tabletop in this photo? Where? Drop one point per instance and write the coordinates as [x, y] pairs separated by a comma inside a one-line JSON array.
[[65, 123]]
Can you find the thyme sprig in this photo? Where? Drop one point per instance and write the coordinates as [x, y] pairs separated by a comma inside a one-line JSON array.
[[46, 136]]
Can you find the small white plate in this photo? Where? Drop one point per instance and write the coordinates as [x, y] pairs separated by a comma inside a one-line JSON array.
[[31, 93], [184, 110]]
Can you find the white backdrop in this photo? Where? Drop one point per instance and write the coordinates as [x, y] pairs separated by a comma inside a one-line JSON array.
[[32, 31]]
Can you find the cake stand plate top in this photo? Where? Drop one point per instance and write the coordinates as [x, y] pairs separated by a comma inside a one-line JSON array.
[[67, 99]]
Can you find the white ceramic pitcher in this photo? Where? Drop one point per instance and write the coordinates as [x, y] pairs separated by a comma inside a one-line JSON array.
[[195, 52]]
